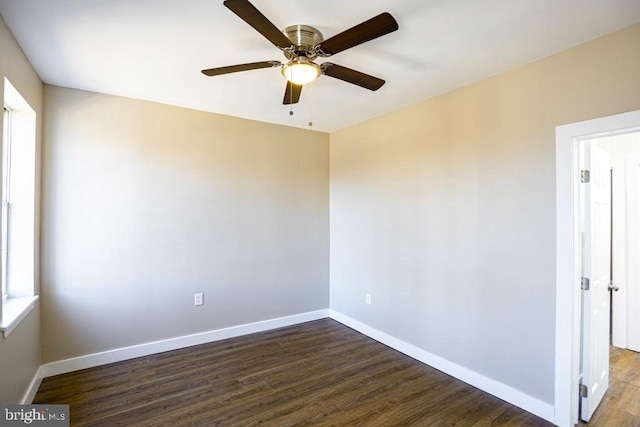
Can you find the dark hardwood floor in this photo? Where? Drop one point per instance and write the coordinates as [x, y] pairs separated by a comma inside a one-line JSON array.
[[316, 374], [621, 405]]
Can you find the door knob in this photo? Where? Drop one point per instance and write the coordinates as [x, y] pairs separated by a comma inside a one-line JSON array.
[[613, 287]]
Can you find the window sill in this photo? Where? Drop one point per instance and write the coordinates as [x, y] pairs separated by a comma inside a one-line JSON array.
[[14, 310]]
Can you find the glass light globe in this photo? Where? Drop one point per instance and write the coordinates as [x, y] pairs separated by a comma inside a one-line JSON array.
[[301, 71]]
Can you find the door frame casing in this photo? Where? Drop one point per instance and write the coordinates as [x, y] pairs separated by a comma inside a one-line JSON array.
[[568, 255]]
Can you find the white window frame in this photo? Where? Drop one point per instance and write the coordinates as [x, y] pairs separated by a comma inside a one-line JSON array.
[[18, 216], [4, 216]]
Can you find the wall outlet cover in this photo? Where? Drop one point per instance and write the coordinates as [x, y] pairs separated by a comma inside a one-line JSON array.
[[198, 299]]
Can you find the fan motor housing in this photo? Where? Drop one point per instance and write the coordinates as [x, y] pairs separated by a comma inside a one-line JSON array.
[[304, 39]]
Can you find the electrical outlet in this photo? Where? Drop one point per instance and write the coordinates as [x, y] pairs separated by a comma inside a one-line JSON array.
[[198, 299], [367, 298]]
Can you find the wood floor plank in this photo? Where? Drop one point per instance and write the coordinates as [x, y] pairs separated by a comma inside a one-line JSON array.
[[315, 374]]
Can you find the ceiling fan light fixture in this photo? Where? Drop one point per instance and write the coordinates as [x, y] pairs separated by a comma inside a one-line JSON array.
[[301, 71]]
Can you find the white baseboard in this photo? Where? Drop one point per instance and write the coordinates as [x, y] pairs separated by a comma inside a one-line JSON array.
[[27, 399], [509, 394], [118, 355]]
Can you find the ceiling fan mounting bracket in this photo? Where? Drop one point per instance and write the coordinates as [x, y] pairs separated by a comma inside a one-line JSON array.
[[304, 39], [318, 51]]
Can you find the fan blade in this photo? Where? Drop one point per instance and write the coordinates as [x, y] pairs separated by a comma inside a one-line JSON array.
[[368, 30], [351, 76], [292, 93], [252, 16], [241, 67]]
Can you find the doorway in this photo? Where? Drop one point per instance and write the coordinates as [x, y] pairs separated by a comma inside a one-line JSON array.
[[568, 255], [610, 225]]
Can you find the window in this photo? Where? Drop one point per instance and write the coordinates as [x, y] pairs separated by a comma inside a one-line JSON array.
[[17, 222]]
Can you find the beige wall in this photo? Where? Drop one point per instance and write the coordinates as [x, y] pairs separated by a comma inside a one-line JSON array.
[[20, 352], [445, 211], [145, 204]]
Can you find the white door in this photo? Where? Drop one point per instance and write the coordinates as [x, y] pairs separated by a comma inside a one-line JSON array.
[[596, 265]]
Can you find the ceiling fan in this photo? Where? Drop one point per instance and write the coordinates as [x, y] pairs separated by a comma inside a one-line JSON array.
[[302, 44]]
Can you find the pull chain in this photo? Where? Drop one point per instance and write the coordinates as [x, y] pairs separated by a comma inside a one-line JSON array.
[[290, 98]]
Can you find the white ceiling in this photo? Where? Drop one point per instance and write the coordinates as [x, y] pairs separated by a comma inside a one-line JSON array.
[[154, 49]]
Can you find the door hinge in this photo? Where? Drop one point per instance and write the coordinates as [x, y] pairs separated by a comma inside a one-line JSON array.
[[585, 176], [584, 283], [584, 390]]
